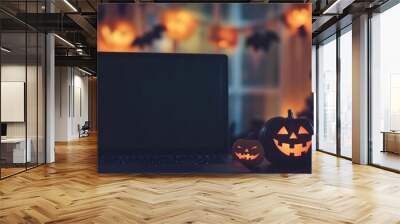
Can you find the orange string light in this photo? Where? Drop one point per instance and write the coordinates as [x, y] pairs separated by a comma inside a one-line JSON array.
[[116, 38], [180, 24], [298, 17]]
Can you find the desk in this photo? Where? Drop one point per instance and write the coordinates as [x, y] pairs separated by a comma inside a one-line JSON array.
[[391, 141], [15, 148]]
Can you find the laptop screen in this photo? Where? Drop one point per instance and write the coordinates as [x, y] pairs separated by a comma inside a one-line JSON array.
[[162, 103]]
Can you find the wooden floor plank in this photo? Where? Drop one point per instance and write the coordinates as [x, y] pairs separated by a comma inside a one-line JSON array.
[[71, 191]]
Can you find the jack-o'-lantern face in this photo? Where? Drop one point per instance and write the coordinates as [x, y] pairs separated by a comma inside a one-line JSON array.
[[293, 140], [289, 136], [247, 151]]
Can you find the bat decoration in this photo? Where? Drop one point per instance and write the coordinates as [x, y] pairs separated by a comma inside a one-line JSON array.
[[302, 31], [262, 41], [147, 38], [308, 111]]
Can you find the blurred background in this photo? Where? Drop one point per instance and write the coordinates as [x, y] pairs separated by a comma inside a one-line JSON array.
[[268, 46]]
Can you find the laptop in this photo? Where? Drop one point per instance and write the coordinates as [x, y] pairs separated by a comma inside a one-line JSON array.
[[162, 112]]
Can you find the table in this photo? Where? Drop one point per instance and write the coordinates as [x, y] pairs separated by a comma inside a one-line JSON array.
[[13, 150], [391, 141]]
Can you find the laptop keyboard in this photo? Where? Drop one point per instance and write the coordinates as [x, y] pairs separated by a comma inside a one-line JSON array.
[[173, 159]]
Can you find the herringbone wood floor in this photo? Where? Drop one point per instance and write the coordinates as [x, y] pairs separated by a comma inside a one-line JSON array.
[[71, 191]]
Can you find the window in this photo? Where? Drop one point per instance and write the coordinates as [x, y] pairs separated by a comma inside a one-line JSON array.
[[385, 89], [346, 93], [327, 96]]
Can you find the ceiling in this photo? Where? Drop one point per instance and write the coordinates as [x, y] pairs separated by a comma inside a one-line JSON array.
[[75, 21]]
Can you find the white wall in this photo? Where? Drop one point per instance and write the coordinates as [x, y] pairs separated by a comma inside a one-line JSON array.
[[33, 127], [71, 102], [12, 73], [81, 104], [62, 81]]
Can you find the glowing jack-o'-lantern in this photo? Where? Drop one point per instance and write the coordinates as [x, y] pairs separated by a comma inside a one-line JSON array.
[[224, 37], [116, 37], [180, 24], [248, 151], [298, 18], [287, 139]]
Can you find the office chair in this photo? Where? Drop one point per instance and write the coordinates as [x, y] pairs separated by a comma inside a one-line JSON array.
[[84, 130]]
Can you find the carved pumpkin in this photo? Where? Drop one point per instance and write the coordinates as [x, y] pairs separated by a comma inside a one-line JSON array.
[[287, 141], [180, 24], [118, 37], [248, 151], [224, 37]]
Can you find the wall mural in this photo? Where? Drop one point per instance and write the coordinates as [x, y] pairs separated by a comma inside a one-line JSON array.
[[268, 48]]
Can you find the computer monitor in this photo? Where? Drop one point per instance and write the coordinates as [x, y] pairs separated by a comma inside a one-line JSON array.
[[3, 129], [159, 103]]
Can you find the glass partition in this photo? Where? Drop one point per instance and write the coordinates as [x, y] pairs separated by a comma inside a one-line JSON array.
[[22, 91], [14, 153], [327, 96]]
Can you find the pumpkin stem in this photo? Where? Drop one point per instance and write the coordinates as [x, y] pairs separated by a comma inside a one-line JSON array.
[[290, 114]]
